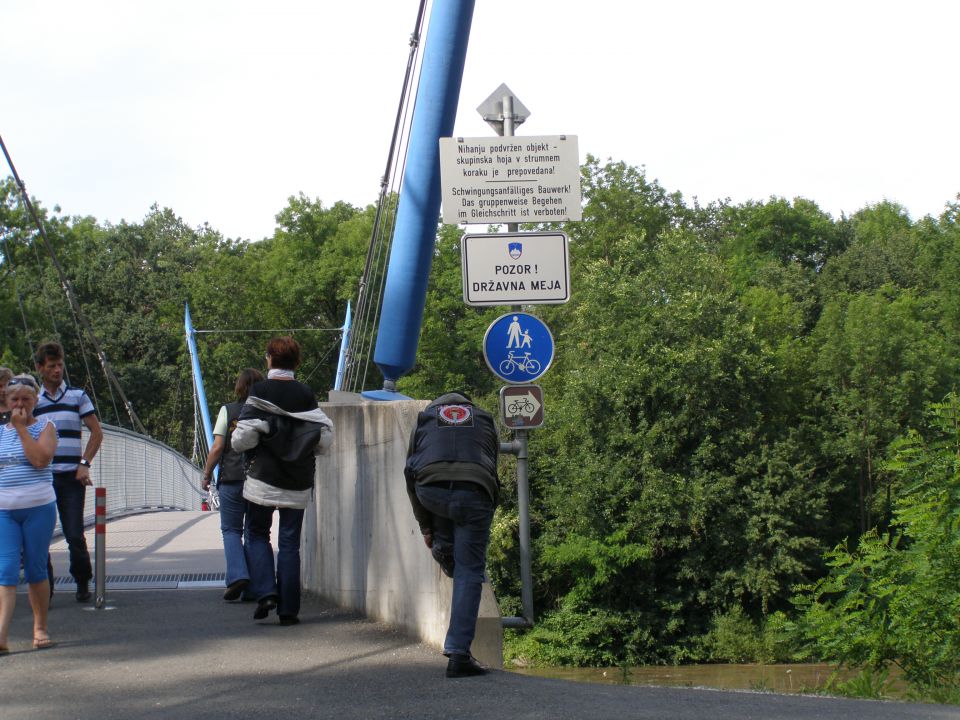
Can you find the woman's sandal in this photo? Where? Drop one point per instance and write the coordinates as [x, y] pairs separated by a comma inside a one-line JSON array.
[[42, 643]]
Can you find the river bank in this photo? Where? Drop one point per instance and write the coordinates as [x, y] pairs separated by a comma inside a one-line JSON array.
[[786, 678]]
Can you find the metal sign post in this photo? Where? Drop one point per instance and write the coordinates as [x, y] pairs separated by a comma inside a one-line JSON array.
[[533, 180], [518, 348]]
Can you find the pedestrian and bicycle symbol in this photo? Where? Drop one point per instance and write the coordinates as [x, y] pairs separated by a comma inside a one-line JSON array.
[[518, 348]]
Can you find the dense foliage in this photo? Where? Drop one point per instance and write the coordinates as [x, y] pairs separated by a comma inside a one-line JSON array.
[[133, 281], [727, 385], [895, 598]]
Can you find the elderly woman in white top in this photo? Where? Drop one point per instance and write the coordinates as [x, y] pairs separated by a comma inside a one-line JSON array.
[[28, 508]]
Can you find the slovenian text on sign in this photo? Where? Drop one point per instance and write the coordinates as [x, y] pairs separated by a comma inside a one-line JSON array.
[[510, 179], [515, 268]]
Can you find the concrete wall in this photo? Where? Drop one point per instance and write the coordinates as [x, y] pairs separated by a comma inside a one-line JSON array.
[[362, 547]]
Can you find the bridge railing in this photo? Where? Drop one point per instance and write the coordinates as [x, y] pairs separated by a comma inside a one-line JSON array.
[[142, 474]]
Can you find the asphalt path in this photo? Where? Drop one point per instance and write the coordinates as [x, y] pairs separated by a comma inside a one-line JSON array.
[[175, 654]]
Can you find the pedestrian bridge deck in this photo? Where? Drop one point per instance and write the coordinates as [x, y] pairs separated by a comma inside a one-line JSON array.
[[184, 653]]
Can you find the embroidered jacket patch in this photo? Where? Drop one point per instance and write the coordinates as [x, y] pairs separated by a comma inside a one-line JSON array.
[[454, 416]]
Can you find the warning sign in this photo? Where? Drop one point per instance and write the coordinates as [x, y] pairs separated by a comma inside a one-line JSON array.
[[519, 179], [515, 269]]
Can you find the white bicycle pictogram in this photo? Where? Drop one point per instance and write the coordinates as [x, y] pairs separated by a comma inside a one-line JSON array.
[[525, 364]]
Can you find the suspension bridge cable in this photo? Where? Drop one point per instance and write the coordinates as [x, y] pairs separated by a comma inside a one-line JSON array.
[[71, 297], [46, 298], [41, 279], [319, 364], [86, 365], [385, 243], [385, 239], [382, 231], [373, 264], [16, 289]]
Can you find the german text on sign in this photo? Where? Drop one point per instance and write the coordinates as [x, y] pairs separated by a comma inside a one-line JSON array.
[[510, 179]]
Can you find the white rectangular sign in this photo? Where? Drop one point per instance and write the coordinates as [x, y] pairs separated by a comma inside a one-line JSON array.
[[519, 179], [516, 269]]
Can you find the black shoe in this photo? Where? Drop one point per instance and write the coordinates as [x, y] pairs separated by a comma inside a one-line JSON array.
[[289, 620], [444, 558], [264, 607], [464, 666], [83, 593], [235, 590]]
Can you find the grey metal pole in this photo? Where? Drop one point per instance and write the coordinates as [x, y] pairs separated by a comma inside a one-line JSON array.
[[519, 448], [508, 129], [523, 505]]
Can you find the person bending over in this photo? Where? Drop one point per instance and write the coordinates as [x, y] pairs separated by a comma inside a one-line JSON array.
[[451, 475]]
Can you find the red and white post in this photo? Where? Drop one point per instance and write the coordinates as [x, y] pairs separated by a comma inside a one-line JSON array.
[[100, 546]]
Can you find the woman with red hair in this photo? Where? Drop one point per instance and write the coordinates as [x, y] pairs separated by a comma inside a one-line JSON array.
[[281, 429]]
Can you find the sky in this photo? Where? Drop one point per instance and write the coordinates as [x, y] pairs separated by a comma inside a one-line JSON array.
[[223, 110]]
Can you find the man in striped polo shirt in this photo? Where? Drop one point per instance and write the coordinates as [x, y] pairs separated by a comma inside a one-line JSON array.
[[69, 409]]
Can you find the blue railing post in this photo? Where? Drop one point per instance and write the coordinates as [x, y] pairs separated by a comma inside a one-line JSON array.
[[198, 381], [344, 344]]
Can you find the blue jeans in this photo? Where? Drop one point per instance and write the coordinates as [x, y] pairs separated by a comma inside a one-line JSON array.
[[461, 518], [284, 584], [233, 515], [71, 495], [26, 533]]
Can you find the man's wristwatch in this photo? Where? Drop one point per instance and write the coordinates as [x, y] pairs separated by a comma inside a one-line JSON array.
[[85, 462]]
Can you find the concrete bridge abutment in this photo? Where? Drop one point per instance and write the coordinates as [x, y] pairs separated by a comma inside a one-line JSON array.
[[362, 547]]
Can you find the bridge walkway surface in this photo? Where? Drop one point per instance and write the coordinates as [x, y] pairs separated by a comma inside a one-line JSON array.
[[172, 648]]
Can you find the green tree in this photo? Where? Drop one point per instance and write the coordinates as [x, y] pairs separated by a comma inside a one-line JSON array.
[[895, 599], [880, 361]]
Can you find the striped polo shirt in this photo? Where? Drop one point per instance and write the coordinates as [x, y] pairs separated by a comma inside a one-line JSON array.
[[65, 409], [21, 484]]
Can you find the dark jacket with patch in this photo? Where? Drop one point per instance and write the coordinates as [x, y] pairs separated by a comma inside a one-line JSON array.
[[453, 441]]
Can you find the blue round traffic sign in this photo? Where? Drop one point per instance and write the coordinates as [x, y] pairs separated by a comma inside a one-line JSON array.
[[518, 348]]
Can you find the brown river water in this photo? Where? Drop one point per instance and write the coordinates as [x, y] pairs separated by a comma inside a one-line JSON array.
[[765, 678]]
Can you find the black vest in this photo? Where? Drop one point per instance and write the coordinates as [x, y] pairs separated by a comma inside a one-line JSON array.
[[442, 436], [232, 463]]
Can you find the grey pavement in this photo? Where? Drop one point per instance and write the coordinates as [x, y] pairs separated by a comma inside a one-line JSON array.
[[153, 543], [185, 653]]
